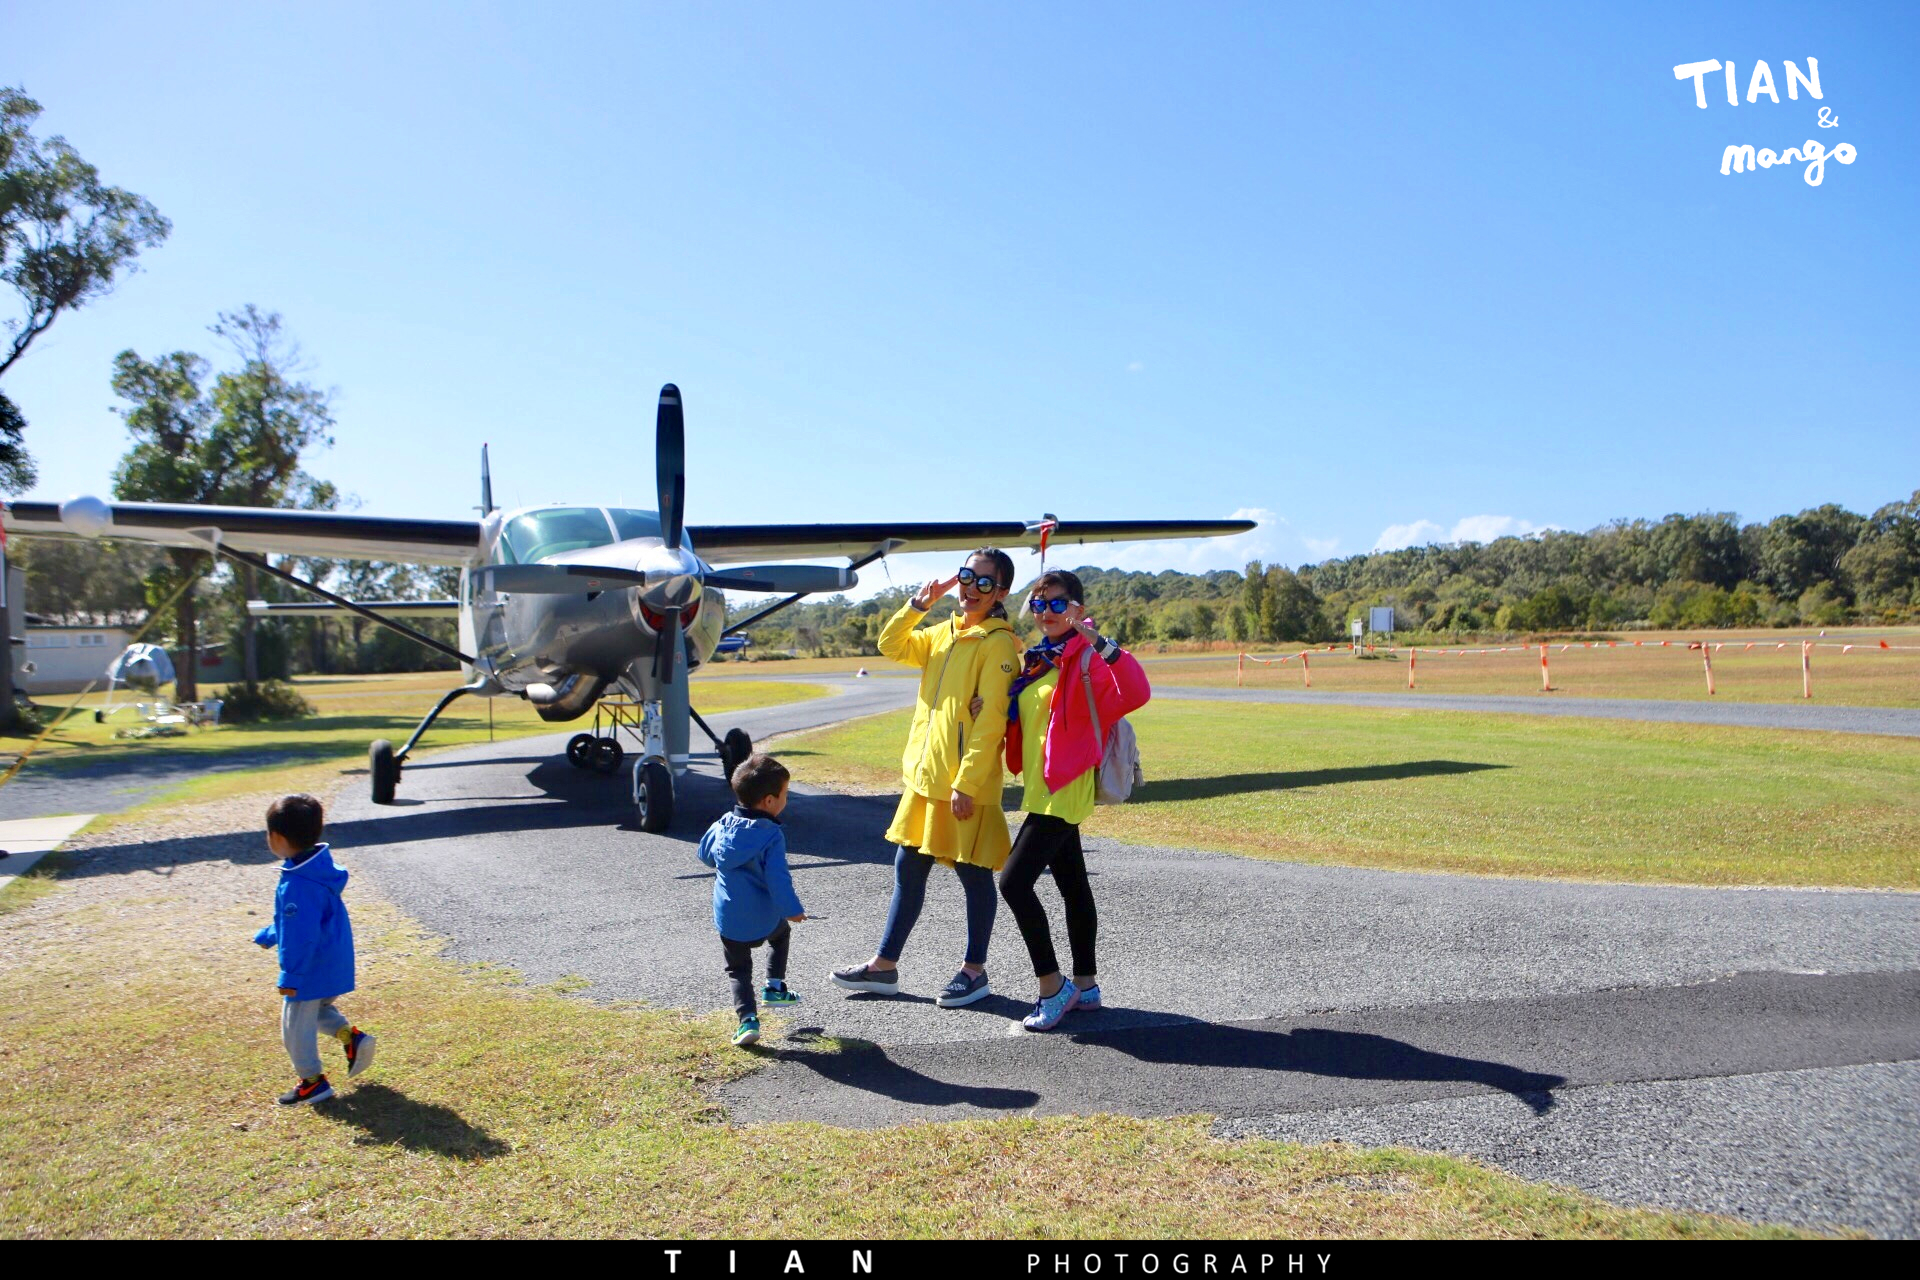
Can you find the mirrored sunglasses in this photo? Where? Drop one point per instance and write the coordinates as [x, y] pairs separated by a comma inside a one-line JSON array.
[[1038, 606], [984, 583]]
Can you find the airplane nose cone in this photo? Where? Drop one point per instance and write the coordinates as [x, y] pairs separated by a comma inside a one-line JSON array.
[[673, 577]]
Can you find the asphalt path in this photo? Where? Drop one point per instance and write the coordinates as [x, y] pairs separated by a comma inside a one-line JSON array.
[[1746, 1051]]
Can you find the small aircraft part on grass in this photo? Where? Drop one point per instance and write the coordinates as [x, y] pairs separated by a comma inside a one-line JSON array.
[[142, 669], [577, 609]]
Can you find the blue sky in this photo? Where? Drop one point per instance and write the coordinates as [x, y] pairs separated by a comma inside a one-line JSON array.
[[1391, 273]]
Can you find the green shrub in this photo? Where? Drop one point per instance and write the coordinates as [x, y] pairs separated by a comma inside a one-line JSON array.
[[270, 700]]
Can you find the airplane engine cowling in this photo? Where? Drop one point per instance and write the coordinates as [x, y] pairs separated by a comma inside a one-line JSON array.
[[569, 700]]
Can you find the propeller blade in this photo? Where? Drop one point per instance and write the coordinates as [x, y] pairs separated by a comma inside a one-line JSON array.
[[788, 579], [670, 464], [666, 649], [559, 579]]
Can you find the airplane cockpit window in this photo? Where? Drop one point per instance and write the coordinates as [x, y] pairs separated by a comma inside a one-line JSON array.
[[634, 524], [538, 534]]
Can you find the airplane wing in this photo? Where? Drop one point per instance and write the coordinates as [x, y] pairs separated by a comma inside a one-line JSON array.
[[732, 543], [341, 535]]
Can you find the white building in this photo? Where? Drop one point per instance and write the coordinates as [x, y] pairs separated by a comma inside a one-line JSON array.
[[66, 659]]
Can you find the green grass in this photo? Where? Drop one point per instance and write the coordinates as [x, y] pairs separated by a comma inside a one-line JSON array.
[[139, 1057], [1489, 794]]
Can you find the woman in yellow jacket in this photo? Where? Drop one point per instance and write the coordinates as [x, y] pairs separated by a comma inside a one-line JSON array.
[[952, 769]]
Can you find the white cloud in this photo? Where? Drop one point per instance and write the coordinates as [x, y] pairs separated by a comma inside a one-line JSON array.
[[1321, 548], [1135, 366], [1469, 529]]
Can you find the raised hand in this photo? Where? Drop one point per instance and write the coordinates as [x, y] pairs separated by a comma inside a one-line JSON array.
[[1084, 625], [931, 593]]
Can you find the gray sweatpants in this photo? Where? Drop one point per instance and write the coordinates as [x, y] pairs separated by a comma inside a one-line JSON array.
[[301, 1023]]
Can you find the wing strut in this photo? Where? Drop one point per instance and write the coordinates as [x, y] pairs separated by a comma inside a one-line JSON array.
[[797, 597], [260, 562]]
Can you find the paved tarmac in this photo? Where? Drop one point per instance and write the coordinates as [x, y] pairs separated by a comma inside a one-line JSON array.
[[1748, 1051]]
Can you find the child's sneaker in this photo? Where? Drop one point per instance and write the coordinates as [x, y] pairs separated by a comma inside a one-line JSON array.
[[1089, 997], [777, 992], [749, 1032], [1047, 1013], [360, 1048], [314, 1090]]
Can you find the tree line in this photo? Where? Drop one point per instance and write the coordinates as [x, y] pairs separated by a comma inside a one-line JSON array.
[[1826, 566]]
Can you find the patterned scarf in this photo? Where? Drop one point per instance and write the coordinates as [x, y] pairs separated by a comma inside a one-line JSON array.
[[1040, 659]]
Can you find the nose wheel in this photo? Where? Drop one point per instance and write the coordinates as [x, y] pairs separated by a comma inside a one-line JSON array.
[[652, 796]]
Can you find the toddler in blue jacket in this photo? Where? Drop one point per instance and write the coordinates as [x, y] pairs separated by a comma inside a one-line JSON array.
[[753, 897], [315, 938]]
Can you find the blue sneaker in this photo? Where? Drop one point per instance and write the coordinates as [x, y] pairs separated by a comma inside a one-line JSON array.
[[777, 993], [964, 989], [749, 1032], [1047, 1013], [1089, 998]]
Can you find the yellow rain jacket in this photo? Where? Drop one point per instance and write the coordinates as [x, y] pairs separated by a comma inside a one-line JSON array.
[[948, 748]]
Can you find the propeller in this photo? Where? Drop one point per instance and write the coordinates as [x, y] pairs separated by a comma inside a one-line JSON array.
[[669, 576], [670, 473]]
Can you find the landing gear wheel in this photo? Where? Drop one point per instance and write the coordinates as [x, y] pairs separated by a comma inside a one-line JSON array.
[[580, 750], [734, 750], [607, 754], [384, 769], [652, 796]]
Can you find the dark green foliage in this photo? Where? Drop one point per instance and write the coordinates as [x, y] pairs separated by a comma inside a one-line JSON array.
[[270, 700], [17, 472]]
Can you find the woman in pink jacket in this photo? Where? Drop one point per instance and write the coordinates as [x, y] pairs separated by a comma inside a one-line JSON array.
[[1052, 741]]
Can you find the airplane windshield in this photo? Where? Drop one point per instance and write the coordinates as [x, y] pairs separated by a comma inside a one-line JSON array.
[[634, 524], [539, 534]]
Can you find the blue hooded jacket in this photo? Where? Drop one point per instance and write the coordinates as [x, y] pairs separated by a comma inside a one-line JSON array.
[[753, 890], [311, 928]]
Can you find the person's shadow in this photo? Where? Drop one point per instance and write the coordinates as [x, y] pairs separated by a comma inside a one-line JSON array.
[[1349, 1055], [389, 1118], [861, 1064]]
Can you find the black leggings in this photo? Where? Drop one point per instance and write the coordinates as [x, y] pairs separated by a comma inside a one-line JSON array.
[[1048, 841]]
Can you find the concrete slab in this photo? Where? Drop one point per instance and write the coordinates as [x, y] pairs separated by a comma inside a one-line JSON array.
[[27, 840]]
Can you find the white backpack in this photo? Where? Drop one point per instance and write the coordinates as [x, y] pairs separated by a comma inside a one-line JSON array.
[[1120, 769]]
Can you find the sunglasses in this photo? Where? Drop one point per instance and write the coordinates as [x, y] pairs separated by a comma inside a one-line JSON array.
[[984, 583], [1037, 606]]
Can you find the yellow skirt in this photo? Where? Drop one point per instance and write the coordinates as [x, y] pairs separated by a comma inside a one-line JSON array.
[[930, 827]]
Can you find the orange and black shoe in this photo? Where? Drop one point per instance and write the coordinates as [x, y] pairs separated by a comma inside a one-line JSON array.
[[314, 1090], [360, 1047]]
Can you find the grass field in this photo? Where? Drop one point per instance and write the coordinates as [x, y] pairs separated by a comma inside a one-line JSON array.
[[313, 753], [1867, 677], [139, 1055], [354, 710], [1488, 794]]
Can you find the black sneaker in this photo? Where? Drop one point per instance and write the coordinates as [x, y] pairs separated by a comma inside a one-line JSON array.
[[314, 1090], [885, 982], [963, 990], [360, 1047]]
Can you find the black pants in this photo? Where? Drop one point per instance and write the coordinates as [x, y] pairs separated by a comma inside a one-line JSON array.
[[1048, 841], [740, 966]]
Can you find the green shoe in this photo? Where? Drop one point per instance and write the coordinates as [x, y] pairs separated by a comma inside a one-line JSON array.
[[749, 1033], [779, 993]]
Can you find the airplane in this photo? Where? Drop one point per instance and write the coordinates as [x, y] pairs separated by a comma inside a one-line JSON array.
[[576, 609]]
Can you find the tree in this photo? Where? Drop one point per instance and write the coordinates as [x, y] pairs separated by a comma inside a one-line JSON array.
[[239, 446], [64, 235]]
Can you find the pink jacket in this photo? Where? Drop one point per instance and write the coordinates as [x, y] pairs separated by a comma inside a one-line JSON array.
[[1119, 688]]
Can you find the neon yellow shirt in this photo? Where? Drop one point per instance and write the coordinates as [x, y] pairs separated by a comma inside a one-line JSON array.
[[1071, 803]]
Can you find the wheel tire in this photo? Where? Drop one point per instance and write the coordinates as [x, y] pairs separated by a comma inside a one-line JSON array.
[[580, 750], [734, 750], [652, 796], [607, 754], [384, 769], [99, 717]]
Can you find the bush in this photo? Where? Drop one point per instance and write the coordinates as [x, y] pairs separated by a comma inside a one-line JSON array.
[[270, 700]]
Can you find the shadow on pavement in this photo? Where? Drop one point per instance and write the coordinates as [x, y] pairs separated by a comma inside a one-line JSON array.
[[1348, 1055], [864, 1065], [389, 1118]]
